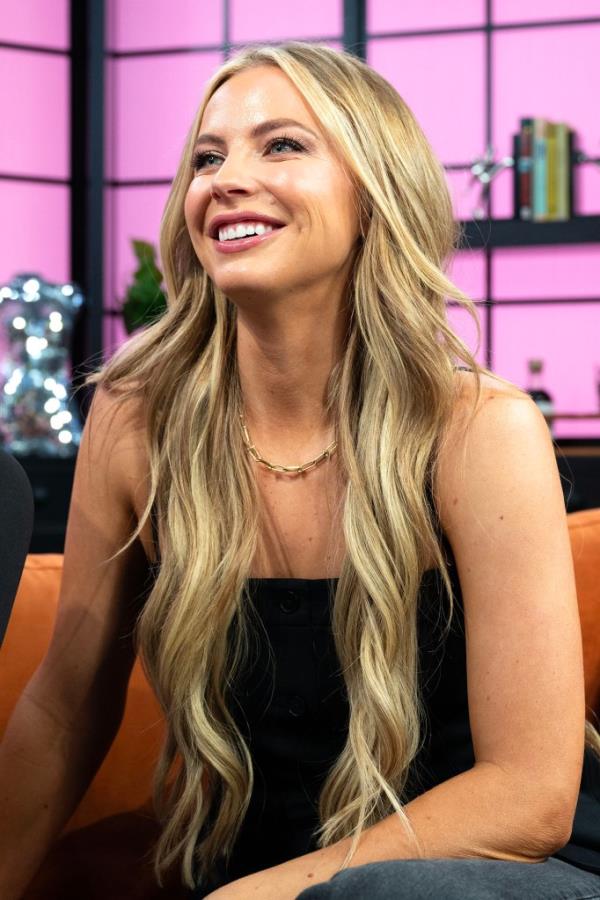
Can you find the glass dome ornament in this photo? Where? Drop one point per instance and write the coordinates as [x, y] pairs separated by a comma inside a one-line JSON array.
[[38, 416]]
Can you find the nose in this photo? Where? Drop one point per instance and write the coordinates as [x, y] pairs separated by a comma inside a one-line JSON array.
[[232, 177]]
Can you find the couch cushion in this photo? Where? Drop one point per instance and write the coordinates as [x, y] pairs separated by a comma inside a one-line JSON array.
[[108, 860], [584, 532], [124, 779]]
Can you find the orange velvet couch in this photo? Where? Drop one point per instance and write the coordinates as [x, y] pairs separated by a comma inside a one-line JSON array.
[[104, 850]]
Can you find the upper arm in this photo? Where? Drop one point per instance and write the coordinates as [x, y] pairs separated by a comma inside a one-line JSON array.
[[504, 515], [91, 653]]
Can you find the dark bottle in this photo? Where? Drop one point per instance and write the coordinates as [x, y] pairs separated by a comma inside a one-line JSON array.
[[538, 393]]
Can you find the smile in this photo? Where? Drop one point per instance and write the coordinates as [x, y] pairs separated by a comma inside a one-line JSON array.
[[245, 243]]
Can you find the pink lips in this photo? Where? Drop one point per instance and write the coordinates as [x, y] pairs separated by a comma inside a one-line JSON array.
[[246, 243]]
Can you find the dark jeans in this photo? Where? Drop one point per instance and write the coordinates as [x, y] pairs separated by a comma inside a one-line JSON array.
[[458, 879]]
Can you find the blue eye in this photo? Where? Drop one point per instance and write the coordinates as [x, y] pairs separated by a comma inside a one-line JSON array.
[[200, 157]]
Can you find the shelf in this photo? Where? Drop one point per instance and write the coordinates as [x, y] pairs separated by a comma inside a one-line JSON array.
[[518, 233], [594, 415]]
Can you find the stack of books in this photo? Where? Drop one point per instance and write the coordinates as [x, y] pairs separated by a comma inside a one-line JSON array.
[[543, 172]]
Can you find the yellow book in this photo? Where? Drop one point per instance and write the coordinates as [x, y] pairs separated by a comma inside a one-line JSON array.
[[562, 171]]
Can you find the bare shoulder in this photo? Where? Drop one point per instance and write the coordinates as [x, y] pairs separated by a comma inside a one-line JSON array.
[[477, 432], [492, 389], [491, 386], [122, 421]]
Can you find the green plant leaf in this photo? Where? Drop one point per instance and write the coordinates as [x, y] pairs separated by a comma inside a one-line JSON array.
[[145, 301]]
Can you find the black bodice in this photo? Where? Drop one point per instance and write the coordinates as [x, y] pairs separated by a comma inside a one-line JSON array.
[[291, 705]]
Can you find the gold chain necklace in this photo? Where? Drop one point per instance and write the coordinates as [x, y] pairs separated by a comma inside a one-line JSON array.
[[327, 452]]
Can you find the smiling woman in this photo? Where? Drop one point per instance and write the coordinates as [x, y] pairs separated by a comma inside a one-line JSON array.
[[305, 243]]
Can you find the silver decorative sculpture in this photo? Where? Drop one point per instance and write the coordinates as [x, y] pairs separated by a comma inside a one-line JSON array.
[[483, 170], [37, 413]]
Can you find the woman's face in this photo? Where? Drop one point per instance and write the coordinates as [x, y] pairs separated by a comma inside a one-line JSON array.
[[297, 181]]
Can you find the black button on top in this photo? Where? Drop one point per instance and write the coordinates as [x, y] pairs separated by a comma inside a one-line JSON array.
[[289, 603], [297, 706]]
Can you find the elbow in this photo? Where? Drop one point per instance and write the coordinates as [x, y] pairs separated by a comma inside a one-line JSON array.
[[563, 825], [552, 828], [543, 816]]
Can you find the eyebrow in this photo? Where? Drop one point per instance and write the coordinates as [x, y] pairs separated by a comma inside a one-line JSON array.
[[257, 131]]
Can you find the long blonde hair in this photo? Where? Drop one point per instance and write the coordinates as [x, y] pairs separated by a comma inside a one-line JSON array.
[[391, 397]]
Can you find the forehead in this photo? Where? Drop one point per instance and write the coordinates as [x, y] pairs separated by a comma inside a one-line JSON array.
[[253, 95]]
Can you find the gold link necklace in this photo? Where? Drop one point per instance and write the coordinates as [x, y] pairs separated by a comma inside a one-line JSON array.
[[327, 452]]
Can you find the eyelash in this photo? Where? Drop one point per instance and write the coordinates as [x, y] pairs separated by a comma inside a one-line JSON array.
[[200, 156]]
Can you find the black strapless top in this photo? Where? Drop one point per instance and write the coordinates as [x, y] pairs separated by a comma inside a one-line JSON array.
[[296, 723]]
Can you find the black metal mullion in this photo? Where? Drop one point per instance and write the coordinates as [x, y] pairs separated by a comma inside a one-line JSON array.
[[355, 30], [87, 177], [226, 29], [489, 307], [466, 29]]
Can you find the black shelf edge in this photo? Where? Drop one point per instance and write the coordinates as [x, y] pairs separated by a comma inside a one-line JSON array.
[[479, 233]]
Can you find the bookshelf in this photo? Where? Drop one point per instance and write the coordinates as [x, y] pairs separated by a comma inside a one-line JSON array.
[[484, 233]]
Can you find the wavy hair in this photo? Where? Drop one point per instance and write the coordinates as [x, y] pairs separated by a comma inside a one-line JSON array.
[[391, 396]]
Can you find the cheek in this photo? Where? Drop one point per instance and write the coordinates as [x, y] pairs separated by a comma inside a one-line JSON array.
[[328, 200], [193, 204], [187, 210]]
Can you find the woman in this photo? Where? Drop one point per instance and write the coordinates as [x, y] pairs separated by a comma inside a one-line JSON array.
[[293, 629]]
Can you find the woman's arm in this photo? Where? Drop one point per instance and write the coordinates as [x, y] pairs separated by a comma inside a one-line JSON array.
[[505, 518], [69, 713]]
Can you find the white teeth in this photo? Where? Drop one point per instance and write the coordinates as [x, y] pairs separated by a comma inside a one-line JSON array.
[[234, 232]]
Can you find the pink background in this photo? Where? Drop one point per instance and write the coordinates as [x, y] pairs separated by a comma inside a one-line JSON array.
[[151, 100]]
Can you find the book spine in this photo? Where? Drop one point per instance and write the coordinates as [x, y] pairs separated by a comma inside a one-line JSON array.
[[551, 179], [540, 156], [562, 172], [516, 151], [525, 166], [571, 198]]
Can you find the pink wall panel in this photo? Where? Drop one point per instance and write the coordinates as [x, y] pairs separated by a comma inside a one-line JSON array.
[[435, 76], [385, 16], [464, 326], [535, 10], [566, 338], [114, 335], [133, 212], [152, 104], [546, 272], [465, 192], [269, 20], [548, 72], [154, 24], [587, 187], [502, 191], [35, 22], [467, 271], [34, 138], [34, 230]]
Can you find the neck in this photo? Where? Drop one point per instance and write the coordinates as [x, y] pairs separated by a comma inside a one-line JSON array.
[[284, 367]]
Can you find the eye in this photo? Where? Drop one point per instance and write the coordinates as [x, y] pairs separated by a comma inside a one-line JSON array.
[[201, 157]]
